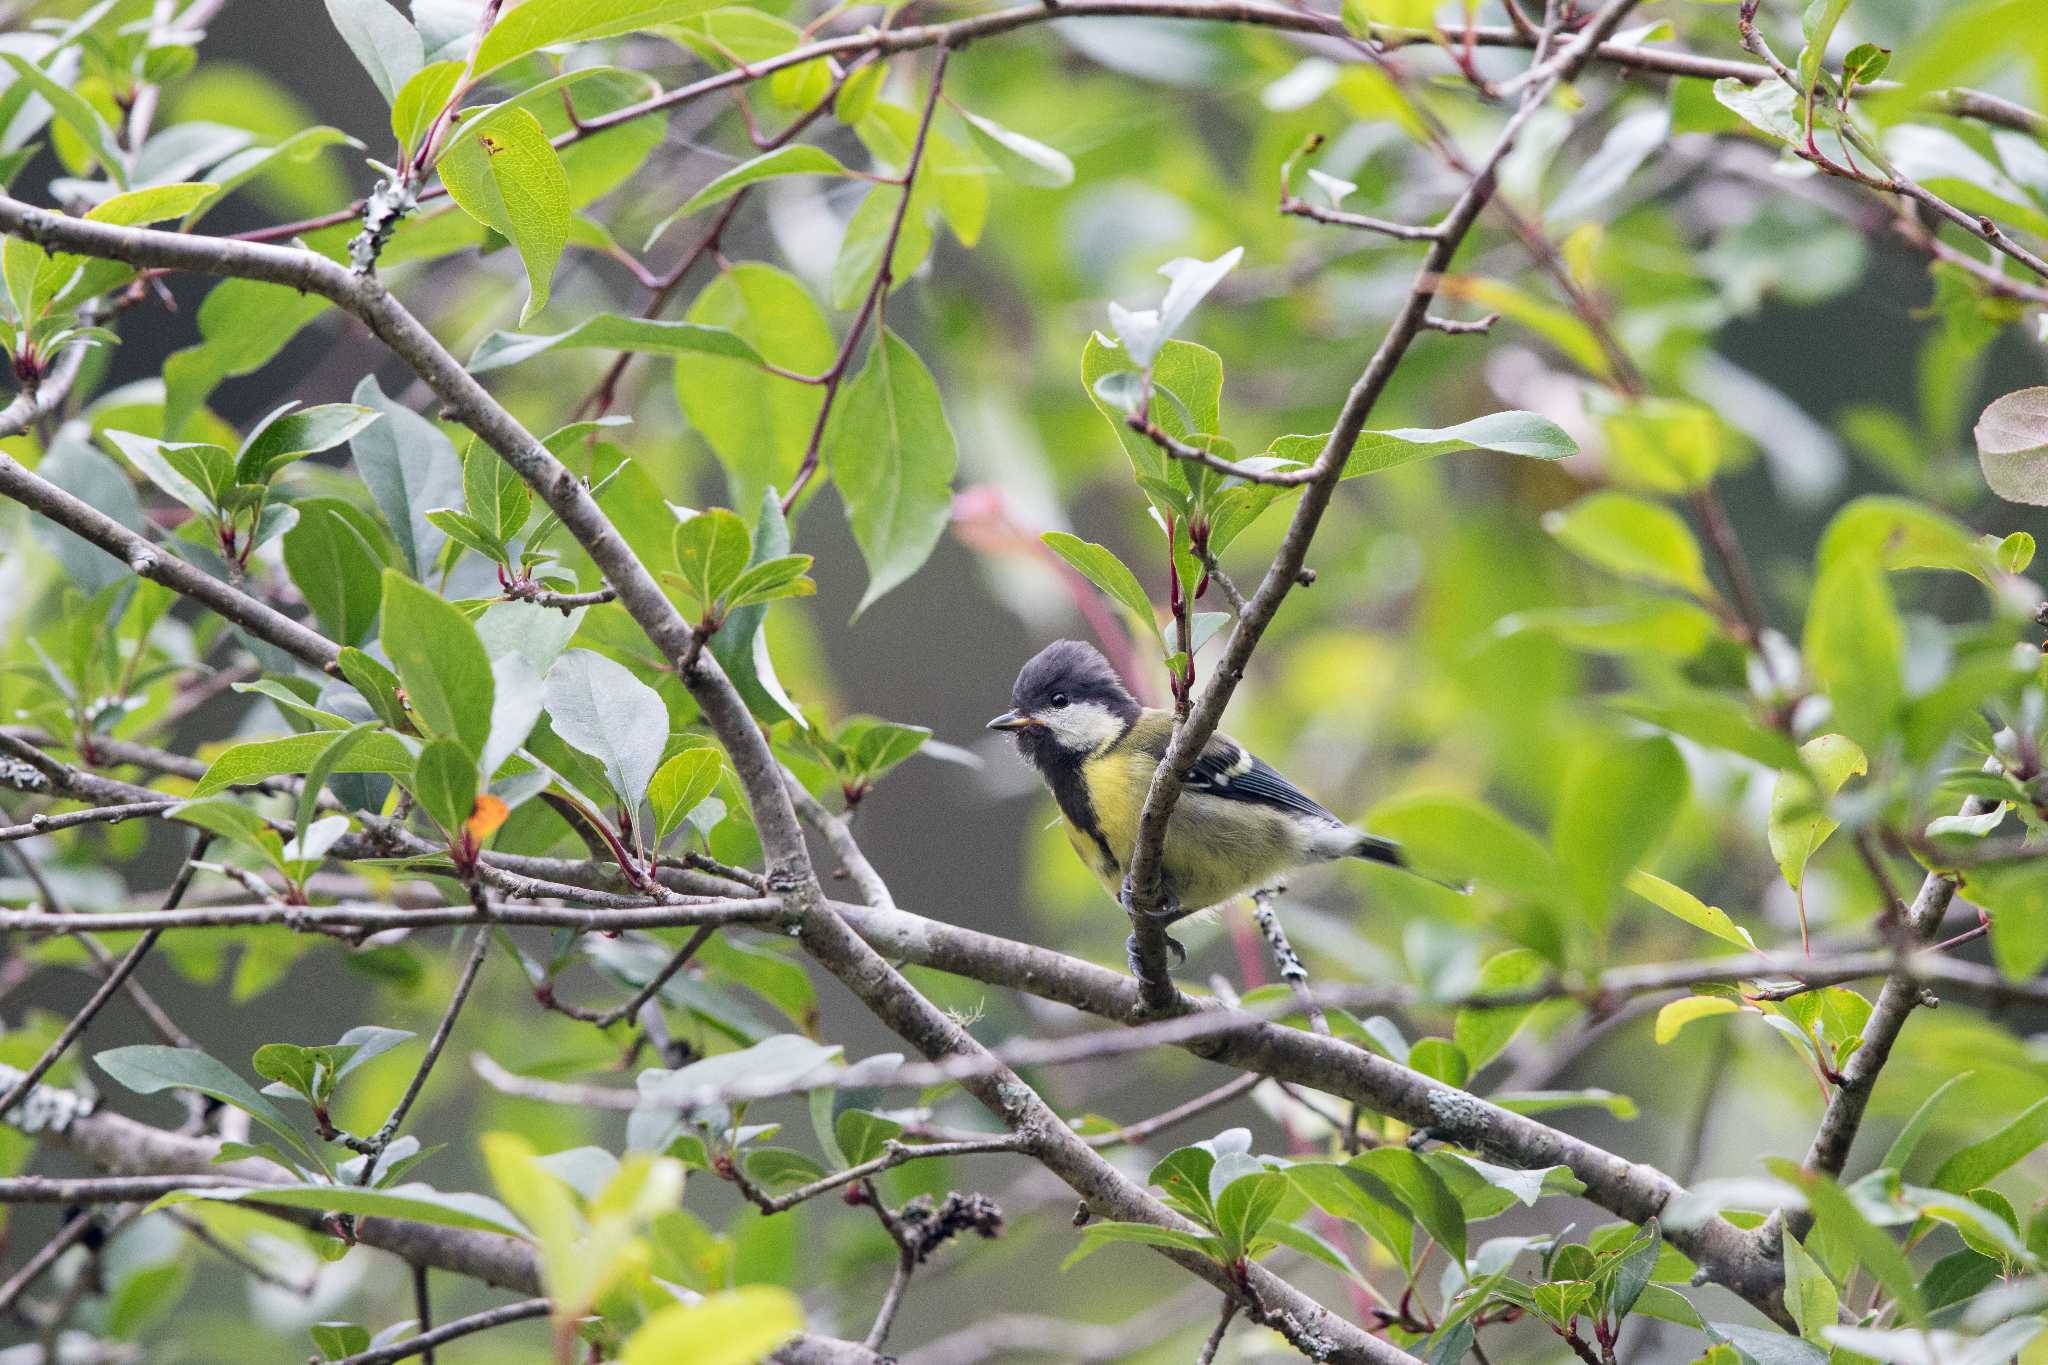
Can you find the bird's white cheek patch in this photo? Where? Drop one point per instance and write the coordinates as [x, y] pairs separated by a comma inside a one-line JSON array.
[[1084, 727]]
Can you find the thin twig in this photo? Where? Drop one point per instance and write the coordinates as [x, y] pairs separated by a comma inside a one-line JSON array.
[[119, 1189], [894, 1154], [1209, 1347], [113, 982], [1286, 961], [878, 289], [1298, 207], [1132, 1134], [426, 1341], [899, 1282], [373, 1147]]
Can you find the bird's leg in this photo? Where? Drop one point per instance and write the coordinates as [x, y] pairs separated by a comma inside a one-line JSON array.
[[1169, 912], [1180, 954]]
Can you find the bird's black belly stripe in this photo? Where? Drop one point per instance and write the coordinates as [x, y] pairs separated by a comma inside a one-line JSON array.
[[1071, 791]]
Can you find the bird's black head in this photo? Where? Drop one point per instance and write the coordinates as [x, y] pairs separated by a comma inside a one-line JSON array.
[[1067, 702]]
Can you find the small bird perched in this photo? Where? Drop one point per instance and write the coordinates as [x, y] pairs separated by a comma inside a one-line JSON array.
[[1238, 824]]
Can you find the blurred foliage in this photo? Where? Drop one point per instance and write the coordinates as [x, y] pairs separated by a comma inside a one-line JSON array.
[[1697, 640]]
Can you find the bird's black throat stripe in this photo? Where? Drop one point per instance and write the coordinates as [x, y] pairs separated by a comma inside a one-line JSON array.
[[1070, 790]]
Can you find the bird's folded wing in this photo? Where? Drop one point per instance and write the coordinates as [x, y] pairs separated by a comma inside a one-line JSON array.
[[1229, 771]]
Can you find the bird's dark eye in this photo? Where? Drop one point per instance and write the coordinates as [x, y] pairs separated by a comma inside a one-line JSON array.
[[1059, 699]]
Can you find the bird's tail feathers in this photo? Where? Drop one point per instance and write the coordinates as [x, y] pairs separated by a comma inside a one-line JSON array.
[[1373, 849]]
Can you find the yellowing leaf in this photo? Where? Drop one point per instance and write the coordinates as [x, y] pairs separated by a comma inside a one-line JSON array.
[[738, 1327], [1800, 823], [485, 817], [1679, 1013], [1678, 901]]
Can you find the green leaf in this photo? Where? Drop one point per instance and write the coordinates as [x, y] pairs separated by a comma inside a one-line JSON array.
[[338, 1339], [153, 204], [1358, 1197], [466, 531], [1865, 63], [1099, 1235], [2012, 443], [1459, 837], [289, 436], [497, 498], [758, 426], [1714, 719], [1102, 568], [1619, 797], [510, 180], [148, 1068], [377, 684], [600, 708], [1509, 433], [2016, 895], [741, 646], [771, 580], [893, 458], [679, 785], [1187, 384], [1908, 1141], [308, 1071], [1245, 1205], [867, 232], [1799, 822], [1854, 647], [1900, 533], [1810, 1296], [254, 760], [195, 475], [78, 115], [1678, 901], [1659, 627], [1024, 160], [335, 569], [387, 46], [613, 332], [444, 780], [1818, 25], [711, 552], [1632, 537], [440, 661], [1837, 1217], [409, 468], [1422, 1190], [329, 762], [421, 99], [1978, 1163], [1632, 1276], [547, 23], [799, 158], [862, 1136], [1440, 1059], [416, 1203], [782, 1168], [1770, 107], [1482, 1034]]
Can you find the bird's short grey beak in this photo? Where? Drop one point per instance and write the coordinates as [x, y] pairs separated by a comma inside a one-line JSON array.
[[1012, 720]]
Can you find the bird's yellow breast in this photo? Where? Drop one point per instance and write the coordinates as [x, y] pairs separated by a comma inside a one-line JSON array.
[[1214, 850]]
